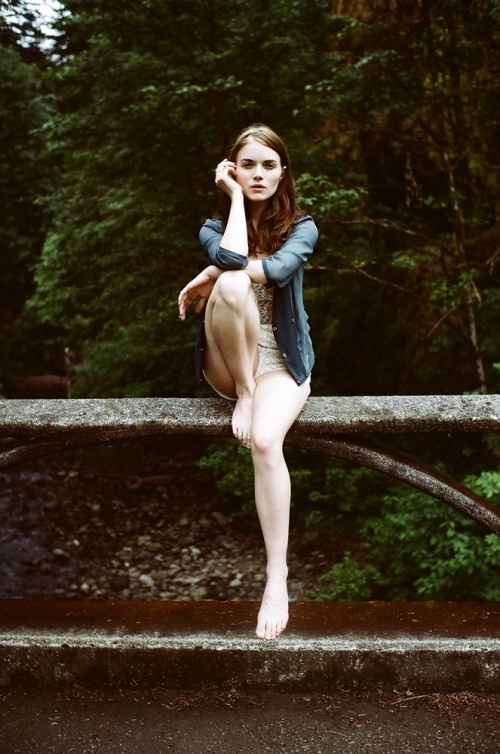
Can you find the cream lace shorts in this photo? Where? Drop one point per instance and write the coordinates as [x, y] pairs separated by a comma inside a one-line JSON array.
[[270, 358]]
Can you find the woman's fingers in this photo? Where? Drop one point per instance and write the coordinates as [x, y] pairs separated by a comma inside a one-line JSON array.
[[183, 302], [201, 303], [199, 288], [225, 173], [224, 167]]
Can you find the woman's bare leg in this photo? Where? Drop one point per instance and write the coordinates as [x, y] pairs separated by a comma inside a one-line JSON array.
[[232, 329], [278, 400]]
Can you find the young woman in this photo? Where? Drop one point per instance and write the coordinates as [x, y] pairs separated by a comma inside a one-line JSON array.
[[256, 348]]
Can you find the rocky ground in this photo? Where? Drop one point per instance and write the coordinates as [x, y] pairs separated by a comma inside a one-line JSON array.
[[133, 520]]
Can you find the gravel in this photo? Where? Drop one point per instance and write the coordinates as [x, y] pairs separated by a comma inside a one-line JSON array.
[[134, 520]]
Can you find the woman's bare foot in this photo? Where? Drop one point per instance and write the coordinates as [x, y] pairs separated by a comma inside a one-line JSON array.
[[273, 614], [242, 418]]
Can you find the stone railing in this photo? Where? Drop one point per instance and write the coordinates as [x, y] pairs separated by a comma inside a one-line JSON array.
[[338, 426]]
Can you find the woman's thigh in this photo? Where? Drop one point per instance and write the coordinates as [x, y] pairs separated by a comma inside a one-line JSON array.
[[278, 401], [215, 364]]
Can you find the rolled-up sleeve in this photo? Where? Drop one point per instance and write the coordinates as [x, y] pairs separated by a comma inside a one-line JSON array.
[[280, 268], [210, 237]]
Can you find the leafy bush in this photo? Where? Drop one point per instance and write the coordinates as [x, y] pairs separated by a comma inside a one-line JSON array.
[[232, 467], [347, 581], [424, 550], [397, 542]]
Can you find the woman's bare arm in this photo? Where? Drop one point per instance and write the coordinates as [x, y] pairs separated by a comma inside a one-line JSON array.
[[235, 236]]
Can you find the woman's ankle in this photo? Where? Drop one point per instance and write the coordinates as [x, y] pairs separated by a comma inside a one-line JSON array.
[[276, 573]]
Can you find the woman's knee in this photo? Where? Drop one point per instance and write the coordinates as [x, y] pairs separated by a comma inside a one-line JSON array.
[[232, 287], [266, 448]]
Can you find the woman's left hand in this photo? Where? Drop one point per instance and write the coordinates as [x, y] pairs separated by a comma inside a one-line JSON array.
[[200, 287]]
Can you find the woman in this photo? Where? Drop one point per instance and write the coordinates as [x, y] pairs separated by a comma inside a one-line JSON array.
[[256, 348]]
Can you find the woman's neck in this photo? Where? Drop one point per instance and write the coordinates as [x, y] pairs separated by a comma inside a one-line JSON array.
[[256, 210]]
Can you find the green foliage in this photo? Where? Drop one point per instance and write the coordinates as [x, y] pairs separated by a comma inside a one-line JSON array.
[[144, 115], [411, 122], [232, 467], [391, 130], [429, 552], [411, 547], [335, 497], [394, 543], [325, 201], [486, 484], [23, 109], [25, 175], [347, 581]]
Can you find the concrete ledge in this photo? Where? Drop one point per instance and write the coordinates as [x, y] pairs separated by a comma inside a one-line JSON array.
[[119, 417], [423, 647]]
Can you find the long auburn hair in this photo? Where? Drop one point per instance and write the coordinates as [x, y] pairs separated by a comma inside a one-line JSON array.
[[282, 211]]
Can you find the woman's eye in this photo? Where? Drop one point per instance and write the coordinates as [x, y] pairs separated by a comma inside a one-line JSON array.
[[267, 165]]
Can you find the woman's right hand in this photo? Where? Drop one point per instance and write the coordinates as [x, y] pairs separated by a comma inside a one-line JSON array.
[[199, 287], [225, 178]]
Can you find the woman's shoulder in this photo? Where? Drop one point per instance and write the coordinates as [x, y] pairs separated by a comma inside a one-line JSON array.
[[305, 225], [304, 219]]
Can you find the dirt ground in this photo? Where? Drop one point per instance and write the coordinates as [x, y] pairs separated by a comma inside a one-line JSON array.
[[77, 721]]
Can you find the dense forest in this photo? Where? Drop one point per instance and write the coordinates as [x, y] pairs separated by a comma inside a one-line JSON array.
[[111, 123]]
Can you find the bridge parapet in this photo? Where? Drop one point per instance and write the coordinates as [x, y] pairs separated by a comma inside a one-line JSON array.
[[334, 425], [321, 415]]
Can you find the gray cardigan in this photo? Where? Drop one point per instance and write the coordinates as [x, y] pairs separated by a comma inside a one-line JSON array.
[[285, 271]]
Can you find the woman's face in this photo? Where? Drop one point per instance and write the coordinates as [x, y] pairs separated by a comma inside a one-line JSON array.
[[258, 171]]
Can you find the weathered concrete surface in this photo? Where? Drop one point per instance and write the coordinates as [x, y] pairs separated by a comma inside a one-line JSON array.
[[424, 647], [321, 415]]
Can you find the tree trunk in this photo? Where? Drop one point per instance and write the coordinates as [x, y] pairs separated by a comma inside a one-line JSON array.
[[469, 288]]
